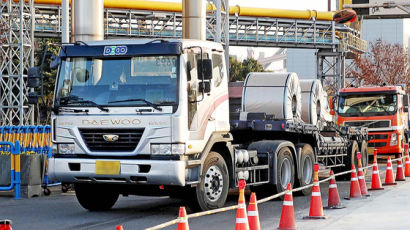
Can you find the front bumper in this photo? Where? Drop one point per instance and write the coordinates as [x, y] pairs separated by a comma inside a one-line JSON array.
[[161, 172], [381, 142]]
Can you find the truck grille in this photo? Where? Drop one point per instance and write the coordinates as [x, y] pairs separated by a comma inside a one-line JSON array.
[[127, 141], [369, 124], [376, 144], [377, 136]]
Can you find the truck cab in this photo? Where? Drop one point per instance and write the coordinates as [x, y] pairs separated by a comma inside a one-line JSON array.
[[383, 109], [137, 115]]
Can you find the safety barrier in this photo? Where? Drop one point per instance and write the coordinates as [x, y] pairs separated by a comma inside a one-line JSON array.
[[32, 140], [234, 207], [14, 151]]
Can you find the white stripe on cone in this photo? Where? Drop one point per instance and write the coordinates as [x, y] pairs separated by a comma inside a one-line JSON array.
[[361, 177], [332, 185], [399, 166], [252, 213], [354, 179], [241, 220], [315, 193], [376, 172], [288, 203], [389, 168]]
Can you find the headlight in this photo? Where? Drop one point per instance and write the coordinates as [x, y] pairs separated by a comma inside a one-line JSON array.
[[54, 149], [393, 139], [65, 148], [167, 149]]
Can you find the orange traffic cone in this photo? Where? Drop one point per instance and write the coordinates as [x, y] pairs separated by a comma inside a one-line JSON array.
[[360, 175], [241, 217], [316, 208], [376, 183], [253, 214], [354, 185], [119, 227], [389, 179], [5, 224], [407, 163], [334, 200], [287, 218], [400, 172], [183, 219]]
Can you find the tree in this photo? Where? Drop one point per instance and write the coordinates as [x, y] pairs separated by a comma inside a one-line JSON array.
[[49, 77], [239, 70], [384, 63]]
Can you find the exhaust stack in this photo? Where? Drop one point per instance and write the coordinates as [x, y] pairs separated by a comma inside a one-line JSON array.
[[87, 20], [193, 19]]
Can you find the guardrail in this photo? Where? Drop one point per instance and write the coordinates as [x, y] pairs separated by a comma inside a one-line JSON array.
[[233, 207], [32, 140], [15, 179]]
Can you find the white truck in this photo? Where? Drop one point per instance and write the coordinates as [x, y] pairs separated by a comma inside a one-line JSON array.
[[151, 117]]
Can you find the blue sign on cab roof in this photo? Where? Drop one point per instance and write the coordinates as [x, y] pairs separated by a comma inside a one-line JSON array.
[[163, 48]]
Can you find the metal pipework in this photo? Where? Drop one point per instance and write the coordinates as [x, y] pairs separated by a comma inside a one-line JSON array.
[[233, 10], [193, 19], [87, 20], [65, 21]]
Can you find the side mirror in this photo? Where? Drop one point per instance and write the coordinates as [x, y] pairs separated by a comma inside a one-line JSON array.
[[406, 103], [205, 86], [332, 105], [205, 68], [33, 77], [32, 98], [55, 61]]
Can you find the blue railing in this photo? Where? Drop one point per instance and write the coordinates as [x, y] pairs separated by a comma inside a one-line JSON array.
[[15, 180]]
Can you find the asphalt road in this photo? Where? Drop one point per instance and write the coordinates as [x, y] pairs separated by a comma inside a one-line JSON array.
[[62, 211]]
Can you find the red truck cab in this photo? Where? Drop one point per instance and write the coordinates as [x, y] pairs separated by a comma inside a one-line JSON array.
[[383, 109]]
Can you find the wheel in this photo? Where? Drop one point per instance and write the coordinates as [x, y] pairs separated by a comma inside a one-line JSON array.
[[65, 187], [285, 170], [307, 159], [365, 156], [212, 190], [349, 159], [47, 192], [95, 197]]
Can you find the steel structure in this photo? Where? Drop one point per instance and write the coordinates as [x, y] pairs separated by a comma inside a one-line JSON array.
[[16, 56]]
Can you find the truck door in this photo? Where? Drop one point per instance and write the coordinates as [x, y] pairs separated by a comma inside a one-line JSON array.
[[200, 105]]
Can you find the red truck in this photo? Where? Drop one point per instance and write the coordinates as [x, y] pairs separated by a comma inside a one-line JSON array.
[[383, 109]]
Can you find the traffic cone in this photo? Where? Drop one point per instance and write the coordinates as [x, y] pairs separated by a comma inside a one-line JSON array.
[[334, 200], [241, 217], [407, 166], [183, 219], [316, 208], [287, 217], [5, 224], [360, 175], [119, 227], [253, 214], [376, 183], [354, 185], [389, 179], [400, 172]]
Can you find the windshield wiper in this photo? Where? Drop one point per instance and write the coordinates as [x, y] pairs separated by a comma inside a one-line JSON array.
[[68, 102], [153, 105]]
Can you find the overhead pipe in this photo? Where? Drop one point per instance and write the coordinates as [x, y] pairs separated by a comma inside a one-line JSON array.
[[233, 10]]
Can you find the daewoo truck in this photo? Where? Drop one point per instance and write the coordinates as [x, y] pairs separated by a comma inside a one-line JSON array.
[[383, 109], [151, 117]]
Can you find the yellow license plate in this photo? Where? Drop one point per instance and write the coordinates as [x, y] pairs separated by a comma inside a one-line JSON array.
[[370, 150], [107, 167]]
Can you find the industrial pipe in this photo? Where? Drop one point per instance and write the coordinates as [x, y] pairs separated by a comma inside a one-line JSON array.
[[238, 10]]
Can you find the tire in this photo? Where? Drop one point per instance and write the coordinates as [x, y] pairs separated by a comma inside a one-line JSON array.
[[365, 156], [307, 160], [95, 197], [212, 191], [349, 160], [285, 170]]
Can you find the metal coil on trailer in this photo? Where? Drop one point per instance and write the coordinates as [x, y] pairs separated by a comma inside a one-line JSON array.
[[276, 94]]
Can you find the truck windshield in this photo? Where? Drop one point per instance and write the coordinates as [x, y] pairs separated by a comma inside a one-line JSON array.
[[103, 80], [367, 105]]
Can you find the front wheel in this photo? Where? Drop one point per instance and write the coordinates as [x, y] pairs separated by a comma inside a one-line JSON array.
[[95, 197], [212, 191]]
